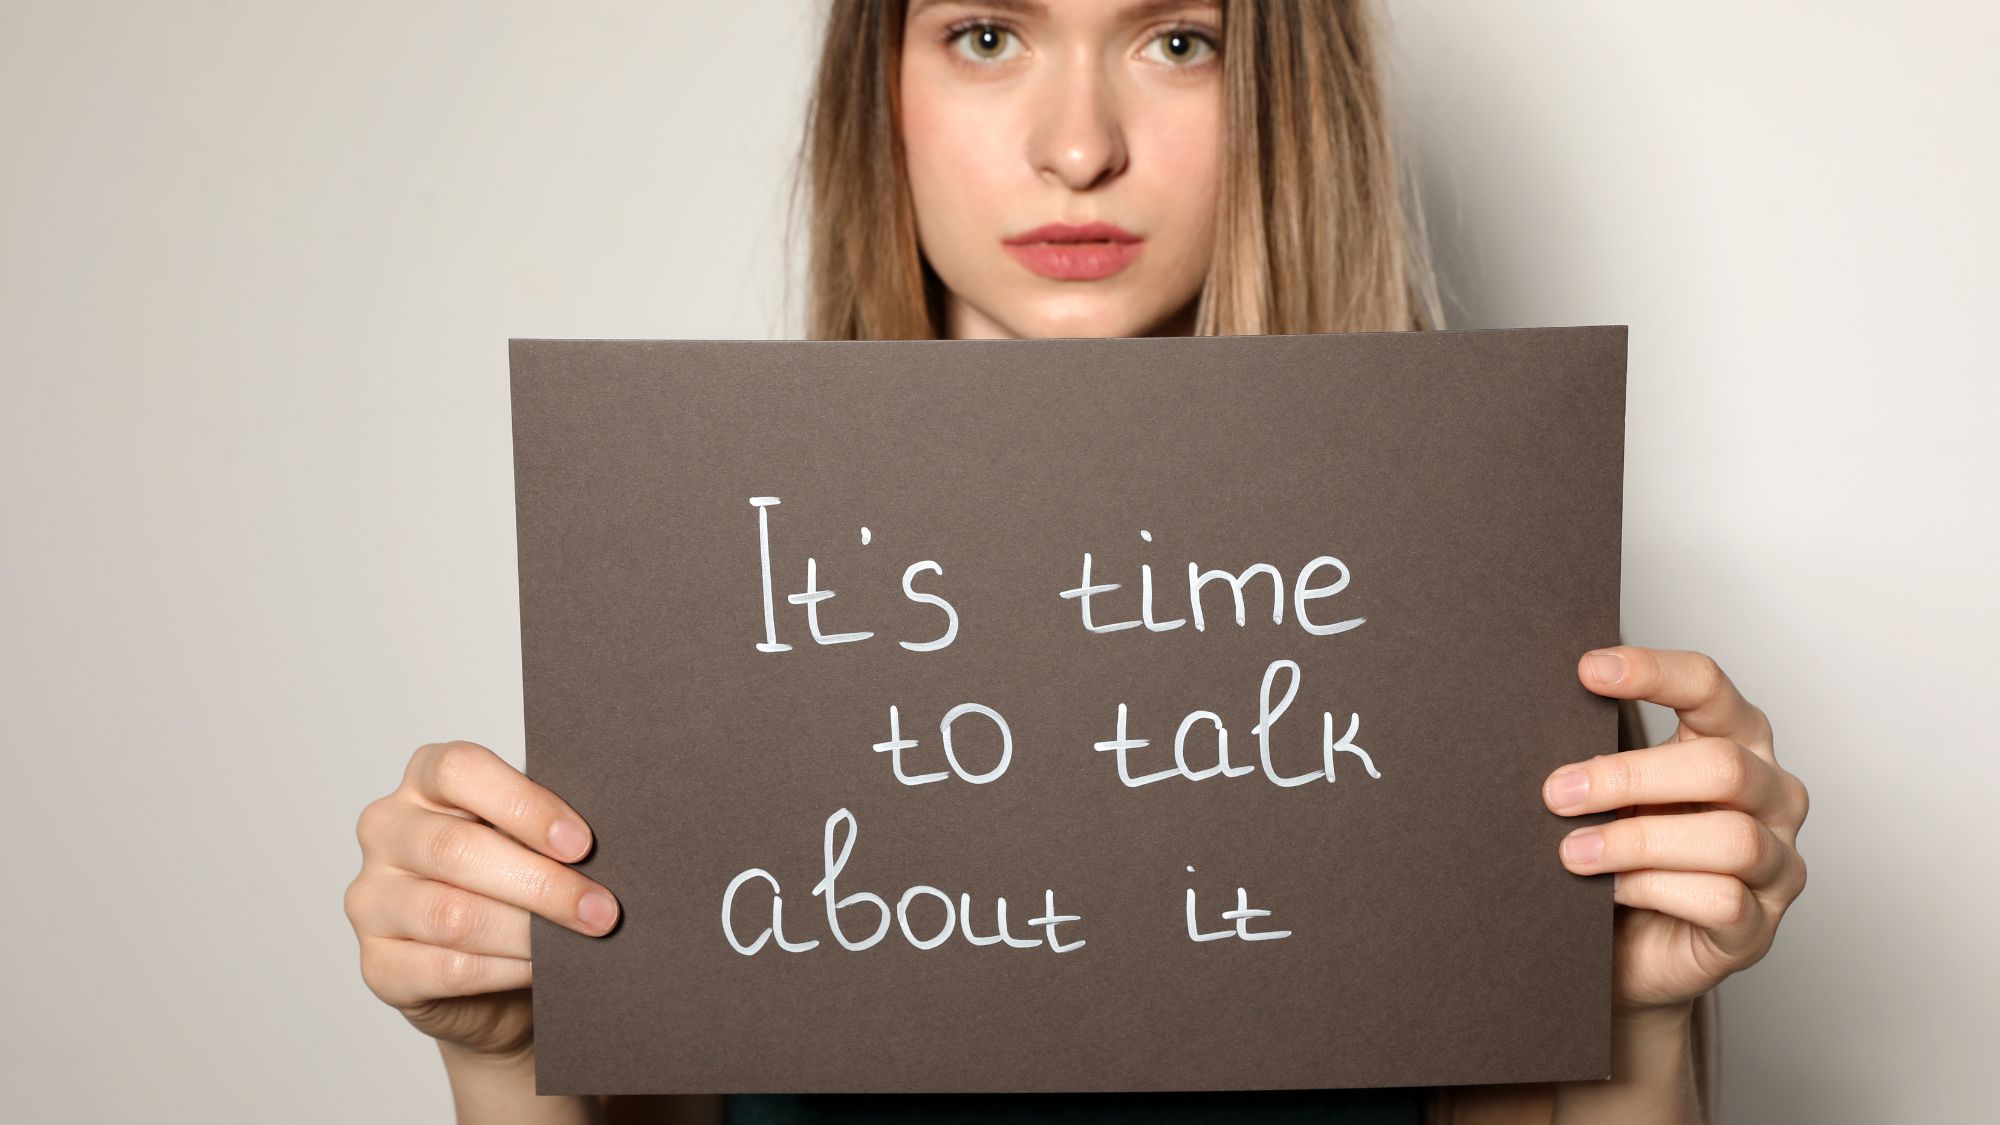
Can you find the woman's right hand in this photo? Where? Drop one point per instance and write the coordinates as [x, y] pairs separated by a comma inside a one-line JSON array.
[[446, 886]]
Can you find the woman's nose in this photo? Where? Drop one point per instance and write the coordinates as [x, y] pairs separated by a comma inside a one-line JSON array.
[[1077, 138]]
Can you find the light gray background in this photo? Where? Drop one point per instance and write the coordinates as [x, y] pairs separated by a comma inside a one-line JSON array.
[[258, 267]]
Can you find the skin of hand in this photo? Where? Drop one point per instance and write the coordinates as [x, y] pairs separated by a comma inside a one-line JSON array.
[[1705, 840], [1703, 850], [452, 864]]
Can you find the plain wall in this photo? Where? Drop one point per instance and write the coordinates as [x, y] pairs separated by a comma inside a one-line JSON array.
[[258, 267]]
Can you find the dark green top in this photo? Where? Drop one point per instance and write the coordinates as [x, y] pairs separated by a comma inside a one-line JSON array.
[[1389, 1106]]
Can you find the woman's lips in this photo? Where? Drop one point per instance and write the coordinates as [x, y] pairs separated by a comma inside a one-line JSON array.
[[1090, 252]]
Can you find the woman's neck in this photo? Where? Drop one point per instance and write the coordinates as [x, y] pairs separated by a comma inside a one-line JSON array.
[[965, 322]]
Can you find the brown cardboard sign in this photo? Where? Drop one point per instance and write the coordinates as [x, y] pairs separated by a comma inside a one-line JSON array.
[[1071, 715]]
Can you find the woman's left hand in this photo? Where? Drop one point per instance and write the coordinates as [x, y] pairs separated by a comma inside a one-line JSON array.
[[1704, 844]]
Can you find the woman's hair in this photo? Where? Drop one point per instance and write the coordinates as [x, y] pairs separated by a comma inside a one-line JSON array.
[[1318, 227]]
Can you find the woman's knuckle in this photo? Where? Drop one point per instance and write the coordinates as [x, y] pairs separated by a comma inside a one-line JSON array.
[[1736, 905], [350, 904], [450, 845], [1616, 774], [422, 761], [375, 972], [451, 917], [539, 885], [1642, 844], [520, 807], [369, 826], [452, 766], [1707, 673], [1728, 766], [455, 971], [353, 900], [1746, 841], [1763, 725]]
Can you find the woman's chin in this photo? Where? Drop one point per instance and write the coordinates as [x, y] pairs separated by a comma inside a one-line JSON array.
[[1087, 318]]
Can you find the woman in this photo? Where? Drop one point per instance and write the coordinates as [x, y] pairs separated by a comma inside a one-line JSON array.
[[1187, 195]]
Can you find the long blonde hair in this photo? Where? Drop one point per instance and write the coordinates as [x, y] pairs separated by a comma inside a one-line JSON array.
[[1319, 224]]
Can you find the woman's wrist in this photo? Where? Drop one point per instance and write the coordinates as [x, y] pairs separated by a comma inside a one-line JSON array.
[[1652, 1073], [486, 1087]]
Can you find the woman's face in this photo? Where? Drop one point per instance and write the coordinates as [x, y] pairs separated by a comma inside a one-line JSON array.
[[1103, 115]]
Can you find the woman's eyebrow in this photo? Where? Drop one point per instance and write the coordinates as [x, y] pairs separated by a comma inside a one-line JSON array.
[[1035, 9], [1151, 9], [1025, 8]]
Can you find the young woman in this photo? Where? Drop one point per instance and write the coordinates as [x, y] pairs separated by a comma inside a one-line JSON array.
[[1033, 168]]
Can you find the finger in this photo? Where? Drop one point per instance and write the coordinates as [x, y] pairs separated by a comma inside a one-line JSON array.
[[476, 857], [1717, 771], [468, 776], [1689, 682], [1732, 914], [1723, 842], [395, 904], [406, 973]]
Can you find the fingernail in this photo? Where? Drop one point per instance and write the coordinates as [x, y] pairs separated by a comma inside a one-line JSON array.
[[1569, 788], [597, 910], [1584, 848], [568, 838], [1606, 667]]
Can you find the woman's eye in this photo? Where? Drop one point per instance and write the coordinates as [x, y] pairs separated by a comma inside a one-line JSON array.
[[984, 42], [1182, 47]]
